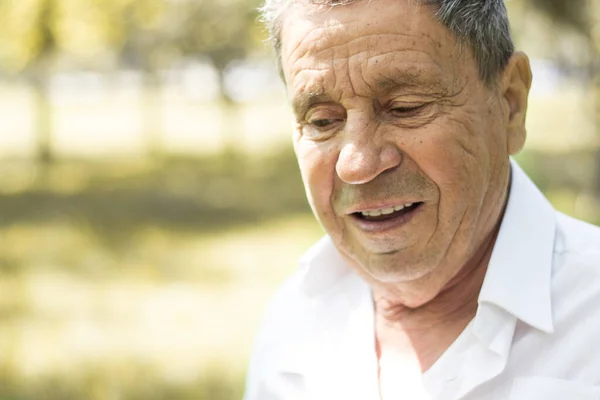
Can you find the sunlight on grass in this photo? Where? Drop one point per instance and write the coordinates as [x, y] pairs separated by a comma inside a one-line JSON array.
[[182, 306]]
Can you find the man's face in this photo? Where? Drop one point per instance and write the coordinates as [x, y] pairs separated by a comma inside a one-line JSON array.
[[402, 148]]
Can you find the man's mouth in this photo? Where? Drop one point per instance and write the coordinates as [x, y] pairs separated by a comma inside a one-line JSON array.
[[387, 214]]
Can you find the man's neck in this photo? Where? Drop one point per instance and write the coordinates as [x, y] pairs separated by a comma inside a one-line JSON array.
[[457, 295], [424, 332]]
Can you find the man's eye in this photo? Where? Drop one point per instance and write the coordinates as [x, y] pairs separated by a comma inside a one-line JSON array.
[[407, 110], [323, 123], [321, 129]]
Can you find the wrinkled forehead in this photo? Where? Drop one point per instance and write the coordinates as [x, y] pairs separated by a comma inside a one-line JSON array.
[[388, 32], [317, 23]]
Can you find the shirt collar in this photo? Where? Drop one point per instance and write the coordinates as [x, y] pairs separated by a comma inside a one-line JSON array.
[[519, 272], [518, 279], [324, 267]]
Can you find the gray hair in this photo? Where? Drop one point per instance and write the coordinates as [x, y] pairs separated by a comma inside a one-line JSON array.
[[482, 25]]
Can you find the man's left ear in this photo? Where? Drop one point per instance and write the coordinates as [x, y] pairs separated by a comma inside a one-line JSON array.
[[515, 85]]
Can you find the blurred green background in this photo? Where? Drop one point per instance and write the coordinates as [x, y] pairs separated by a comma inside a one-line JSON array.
[[150, 203]]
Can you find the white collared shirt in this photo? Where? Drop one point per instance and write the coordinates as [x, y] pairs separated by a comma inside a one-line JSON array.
[[536, 334]]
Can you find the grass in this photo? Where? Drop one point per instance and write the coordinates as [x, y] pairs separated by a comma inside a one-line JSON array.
[[142, 280], [142, 334]]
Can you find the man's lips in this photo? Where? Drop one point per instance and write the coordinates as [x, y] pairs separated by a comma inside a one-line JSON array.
[[386, 213], [380, 208]]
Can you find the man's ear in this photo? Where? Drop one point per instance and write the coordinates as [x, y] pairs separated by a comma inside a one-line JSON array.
[[515, 85]]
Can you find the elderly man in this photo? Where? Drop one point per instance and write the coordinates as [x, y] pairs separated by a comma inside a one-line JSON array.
[[445, 273]]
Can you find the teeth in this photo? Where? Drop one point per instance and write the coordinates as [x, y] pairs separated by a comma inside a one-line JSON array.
[[385, 211]]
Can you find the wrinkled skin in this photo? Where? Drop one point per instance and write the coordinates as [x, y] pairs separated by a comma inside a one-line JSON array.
[[390, 111]]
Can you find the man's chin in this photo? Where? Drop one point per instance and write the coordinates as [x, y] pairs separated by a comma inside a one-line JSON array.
[[393, 268], [396, 276]]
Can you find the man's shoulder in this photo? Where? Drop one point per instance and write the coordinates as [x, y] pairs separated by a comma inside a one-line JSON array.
[[314, 298], [283, 326], [287, 319], [289, 305], [576, 266], [577, 239]]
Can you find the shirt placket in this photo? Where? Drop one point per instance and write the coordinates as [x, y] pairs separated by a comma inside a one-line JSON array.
[[480, 355]]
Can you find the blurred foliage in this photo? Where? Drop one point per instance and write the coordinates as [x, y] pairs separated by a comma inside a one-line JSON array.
[[207, 195], [583, 17], [574, 13], [123, 382], [145, 34], [37, 37], [160, 32], [145, 252]]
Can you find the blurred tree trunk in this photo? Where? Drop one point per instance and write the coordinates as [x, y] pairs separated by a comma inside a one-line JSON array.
[[594, 44], [43, 125], [230, 126], [595, 78], [231, 129], [593, 36], [47, 46], [152, 114]]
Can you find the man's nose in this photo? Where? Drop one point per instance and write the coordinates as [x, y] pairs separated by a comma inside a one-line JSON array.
[[364, 155]]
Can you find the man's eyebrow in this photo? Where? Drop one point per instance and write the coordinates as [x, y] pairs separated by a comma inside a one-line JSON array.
[[304, 100], [407, 79]]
